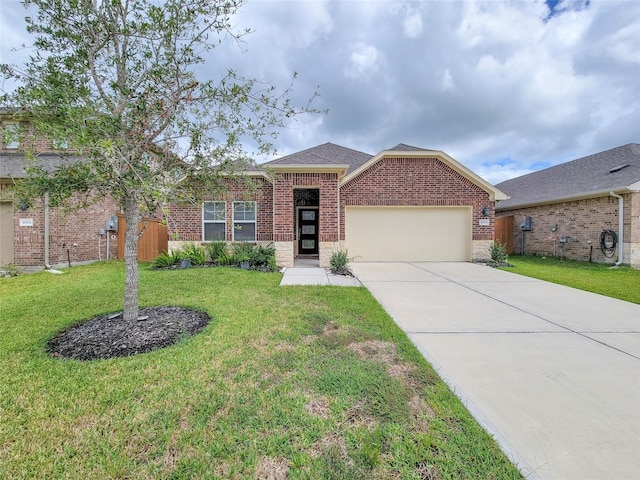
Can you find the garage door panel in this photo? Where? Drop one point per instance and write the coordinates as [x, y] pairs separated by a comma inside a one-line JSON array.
[[408, 233]]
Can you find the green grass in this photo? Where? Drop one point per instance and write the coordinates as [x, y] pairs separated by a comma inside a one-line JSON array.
[[316, 382], [622, 282]]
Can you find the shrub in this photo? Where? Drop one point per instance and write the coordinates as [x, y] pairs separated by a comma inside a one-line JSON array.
[[241, 252], [263, 258], [167, 259], [196, 254], [217, 251], [498, 251], [339, 261], [499, 256]]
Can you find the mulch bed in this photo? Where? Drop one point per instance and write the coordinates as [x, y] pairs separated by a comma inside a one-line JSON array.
[[108, 337]]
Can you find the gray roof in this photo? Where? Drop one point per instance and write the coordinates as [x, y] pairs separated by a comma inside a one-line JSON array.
[[402, 147], [12, 165], [325, 154], [594, 175]]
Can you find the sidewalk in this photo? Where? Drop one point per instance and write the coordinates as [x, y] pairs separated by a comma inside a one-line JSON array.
[[316, 276]]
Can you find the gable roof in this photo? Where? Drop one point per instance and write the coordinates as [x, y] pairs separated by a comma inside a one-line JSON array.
[[327, 154], [403, 150], [403, 147], [616, 170]]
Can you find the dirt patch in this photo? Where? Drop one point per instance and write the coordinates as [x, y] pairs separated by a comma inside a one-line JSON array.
[[271, 468], [384, 352], [108, 337], [317, 407]]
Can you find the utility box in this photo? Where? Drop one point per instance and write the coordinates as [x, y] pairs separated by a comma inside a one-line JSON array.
[[111, 225], [526, 224]]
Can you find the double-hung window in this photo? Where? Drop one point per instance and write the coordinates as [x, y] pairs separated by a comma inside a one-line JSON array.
[[244, 221], [214, 221]]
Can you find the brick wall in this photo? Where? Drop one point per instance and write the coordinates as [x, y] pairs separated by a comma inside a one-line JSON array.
[[583, 221], [28, 141], [184, 221], [73, 234], [283, 209], [416, 182]]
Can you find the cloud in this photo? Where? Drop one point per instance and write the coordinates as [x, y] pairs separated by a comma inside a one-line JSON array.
[[365, 61], [536, 82]]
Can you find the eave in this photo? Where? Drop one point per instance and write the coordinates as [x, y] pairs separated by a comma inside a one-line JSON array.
[[309, 168], [634, 187]]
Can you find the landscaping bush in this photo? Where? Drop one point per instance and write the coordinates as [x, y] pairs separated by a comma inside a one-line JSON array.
[[499, 257], [498, 251], [196, 254], [263, 258], [217, 252], [165, 259], [339, 261], [256, 257]]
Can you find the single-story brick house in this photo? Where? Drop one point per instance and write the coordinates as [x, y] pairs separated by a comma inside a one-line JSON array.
[[585, 209], [403, 204]]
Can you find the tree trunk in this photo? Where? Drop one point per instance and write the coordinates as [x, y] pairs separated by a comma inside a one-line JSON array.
[[132, 217]]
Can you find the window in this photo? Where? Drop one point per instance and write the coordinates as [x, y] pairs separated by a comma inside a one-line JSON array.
[[60, 144], [214, 221], [11, 136], [244, 221]]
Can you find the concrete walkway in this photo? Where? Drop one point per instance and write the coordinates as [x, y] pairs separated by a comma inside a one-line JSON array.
[[553, 373], [307, 275]]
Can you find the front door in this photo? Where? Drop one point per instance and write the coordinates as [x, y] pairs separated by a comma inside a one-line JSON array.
[[307, 231]]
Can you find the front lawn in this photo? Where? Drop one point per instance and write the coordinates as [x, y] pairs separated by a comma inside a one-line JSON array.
[[622, 283], [285, 382]]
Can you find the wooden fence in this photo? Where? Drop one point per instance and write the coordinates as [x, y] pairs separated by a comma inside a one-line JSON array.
[[154, 240], [504, 232]]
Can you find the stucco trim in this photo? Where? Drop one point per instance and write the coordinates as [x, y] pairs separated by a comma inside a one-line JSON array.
[[493, 192]]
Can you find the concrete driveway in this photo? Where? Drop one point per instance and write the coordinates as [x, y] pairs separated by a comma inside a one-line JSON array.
[[553, 373]]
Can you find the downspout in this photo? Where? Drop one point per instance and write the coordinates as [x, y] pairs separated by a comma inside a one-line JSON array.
[[620, 226], [46, 231]]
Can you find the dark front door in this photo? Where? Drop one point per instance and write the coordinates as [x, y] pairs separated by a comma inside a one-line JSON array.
[[307, 231]]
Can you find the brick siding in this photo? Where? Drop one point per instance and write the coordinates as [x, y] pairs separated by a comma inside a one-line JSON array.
[[283, 209], [73, 234], [184, 221], [582, 220], [416, 182]]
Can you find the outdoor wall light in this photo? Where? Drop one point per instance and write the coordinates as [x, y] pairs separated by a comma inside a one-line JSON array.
[[485, 211]]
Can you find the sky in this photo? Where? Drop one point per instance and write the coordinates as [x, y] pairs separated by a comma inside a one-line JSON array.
[[504, 87]]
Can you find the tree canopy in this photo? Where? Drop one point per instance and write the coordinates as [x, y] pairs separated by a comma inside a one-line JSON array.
[[120, 82]]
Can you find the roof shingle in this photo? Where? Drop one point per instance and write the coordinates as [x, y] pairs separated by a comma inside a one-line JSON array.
[[584, 177], [325, 154]]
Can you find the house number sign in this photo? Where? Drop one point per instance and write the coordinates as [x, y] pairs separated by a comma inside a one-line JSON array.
[[26, 222]]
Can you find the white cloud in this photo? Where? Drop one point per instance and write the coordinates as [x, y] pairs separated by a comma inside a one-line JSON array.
[[483, 81], [365, 60], [412, 24]]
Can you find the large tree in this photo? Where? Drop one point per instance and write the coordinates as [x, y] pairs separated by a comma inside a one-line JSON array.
[[119, 80]]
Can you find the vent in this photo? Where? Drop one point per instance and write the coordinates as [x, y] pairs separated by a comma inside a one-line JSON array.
[[618, 168]]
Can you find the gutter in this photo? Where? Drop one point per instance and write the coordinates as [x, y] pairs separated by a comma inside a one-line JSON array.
[[620, 226], [634, 187]]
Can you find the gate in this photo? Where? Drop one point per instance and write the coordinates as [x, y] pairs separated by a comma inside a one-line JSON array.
[[504, 232], [153, 242]]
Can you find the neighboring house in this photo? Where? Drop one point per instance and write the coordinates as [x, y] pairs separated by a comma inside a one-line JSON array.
[[43, 235], [403, 204], [586, 209]]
